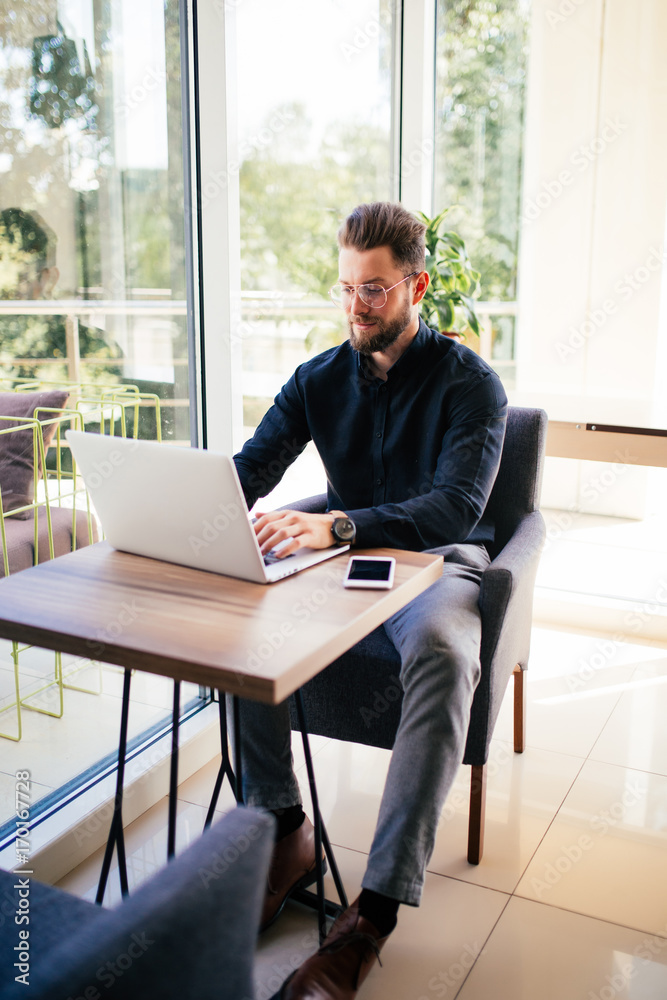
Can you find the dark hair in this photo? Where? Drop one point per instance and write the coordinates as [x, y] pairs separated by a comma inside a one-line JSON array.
[[29, 233], [382, 224]]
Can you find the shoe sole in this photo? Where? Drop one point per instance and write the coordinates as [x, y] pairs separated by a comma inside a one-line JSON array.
[[303, 883]]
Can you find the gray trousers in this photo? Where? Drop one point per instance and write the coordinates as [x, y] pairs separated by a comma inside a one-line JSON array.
[[438, 638]]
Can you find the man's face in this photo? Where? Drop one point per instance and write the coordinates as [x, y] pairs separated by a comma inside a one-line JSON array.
[[376, 329]]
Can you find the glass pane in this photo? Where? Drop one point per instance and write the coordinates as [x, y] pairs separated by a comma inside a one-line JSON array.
[[91, 227], [481, 55], [313, 144], [92, 295]]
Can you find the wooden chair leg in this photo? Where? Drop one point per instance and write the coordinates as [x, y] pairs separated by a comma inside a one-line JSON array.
[[519, 711], [477, 813]]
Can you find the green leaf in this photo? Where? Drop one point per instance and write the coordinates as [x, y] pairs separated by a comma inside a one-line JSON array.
[[453, 280]]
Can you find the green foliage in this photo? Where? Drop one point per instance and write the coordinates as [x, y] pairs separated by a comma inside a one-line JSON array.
[[481, 79], [448, 303], [292, 207]]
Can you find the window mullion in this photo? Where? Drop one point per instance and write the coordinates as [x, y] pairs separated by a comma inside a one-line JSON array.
[[217, 208], [417, 106]]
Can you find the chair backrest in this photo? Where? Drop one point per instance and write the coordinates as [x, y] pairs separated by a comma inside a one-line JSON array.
[[190, 931], [516, 490]]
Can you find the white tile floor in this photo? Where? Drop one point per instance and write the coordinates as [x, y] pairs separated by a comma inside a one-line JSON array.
[[570, 900]]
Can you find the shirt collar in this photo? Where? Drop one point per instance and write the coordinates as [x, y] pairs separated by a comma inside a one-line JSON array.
[[407, 362]]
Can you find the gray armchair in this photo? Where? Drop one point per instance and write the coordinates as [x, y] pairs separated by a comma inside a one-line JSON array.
[[190, 932], [371, 668]]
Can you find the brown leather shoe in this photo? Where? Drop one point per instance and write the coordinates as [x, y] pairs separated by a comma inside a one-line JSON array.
[[292, 867], [338, 969]]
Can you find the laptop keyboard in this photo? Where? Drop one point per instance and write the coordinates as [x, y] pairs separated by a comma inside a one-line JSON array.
[[270, 558]]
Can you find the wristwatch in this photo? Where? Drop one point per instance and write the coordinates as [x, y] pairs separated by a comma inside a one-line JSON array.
[[343, 530]]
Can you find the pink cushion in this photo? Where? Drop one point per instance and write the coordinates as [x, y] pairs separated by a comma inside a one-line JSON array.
[[21, 537]]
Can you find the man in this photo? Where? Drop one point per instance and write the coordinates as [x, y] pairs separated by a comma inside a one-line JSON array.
[[27, 255], [409, 426]]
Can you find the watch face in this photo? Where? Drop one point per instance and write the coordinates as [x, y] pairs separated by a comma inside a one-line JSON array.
[[343, 529]]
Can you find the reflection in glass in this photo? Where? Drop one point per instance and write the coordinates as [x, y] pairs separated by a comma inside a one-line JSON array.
[[90, 119], [92, 286]]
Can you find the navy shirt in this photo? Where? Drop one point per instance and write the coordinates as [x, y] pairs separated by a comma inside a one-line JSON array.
[[412, 460]]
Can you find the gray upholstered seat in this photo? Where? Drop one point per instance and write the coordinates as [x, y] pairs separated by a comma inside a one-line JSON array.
[[358, 697], [187, 934]]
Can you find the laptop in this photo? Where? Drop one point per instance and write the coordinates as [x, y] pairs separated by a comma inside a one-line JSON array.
[[181, 505]]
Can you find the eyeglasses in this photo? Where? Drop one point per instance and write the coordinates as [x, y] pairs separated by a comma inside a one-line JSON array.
[[374, 296]]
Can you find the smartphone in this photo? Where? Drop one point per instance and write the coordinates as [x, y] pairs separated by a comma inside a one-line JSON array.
[[372, 572]]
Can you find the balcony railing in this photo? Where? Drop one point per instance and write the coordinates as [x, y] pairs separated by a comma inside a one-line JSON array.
[[256, 308]]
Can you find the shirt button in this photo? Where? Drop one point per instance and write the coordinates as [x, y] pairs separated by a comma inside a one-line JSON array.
[[378, 434], [378, 482]]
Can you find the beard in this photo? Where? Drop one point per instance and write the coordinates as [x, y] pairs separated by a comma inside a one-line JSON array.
[[383, 334]]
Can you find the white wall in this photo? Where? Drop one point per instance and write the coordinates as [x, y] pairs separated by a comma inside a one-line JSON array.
[[593, 235]]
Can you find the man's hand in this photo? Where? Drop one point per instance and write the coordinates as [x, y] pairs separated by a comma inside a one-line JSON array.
[[304, 530]]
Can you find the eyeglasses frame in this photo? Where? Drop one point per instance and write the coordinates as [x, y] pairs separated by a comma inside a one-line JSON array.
[[363, 285]]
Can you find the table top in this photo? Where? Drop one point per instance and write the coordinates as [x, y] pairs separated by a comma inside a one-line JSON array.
[[258, 641]]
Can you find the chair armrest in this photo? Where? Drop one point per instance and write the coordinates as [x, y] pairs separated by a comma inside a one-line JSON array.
[[506, 605], [522, 551], [309, 505], [506, 595]]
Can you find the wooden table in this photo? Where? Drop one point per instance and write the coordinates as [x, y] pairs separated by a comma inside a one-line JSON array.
[[245, 639]]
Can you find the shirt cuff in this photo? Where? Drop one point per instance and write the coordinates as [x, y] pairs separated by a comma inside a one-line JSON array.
[[370, 533]]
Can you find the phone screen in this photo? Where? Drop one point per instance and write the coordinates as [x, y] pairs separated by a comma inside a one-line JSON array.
[[369, 569]]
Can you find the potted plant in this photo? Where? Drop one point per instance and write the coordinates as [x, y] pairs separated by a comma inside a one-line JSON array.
[[448, 303]]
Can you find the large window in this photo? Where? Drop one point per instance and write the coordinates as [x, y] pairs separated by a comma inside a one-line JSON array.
[[92, 223], [313, 143], [92, 299], [481, 59]]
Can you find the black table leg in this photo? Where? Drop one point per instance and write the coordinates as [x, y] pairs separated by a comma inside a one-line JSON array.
[[320, 834], [238, 790], [116, 836], [325, 908], [225, 770], [173, 773]]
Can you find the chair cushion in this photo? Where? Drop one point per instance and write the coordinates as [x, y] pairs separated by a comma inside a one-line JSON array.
[[358, 697], [17, 448], [20, 536]]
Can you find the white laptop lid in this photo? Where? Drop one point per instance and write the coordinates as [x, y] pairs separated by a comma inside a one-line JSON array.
[[182, 505]]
